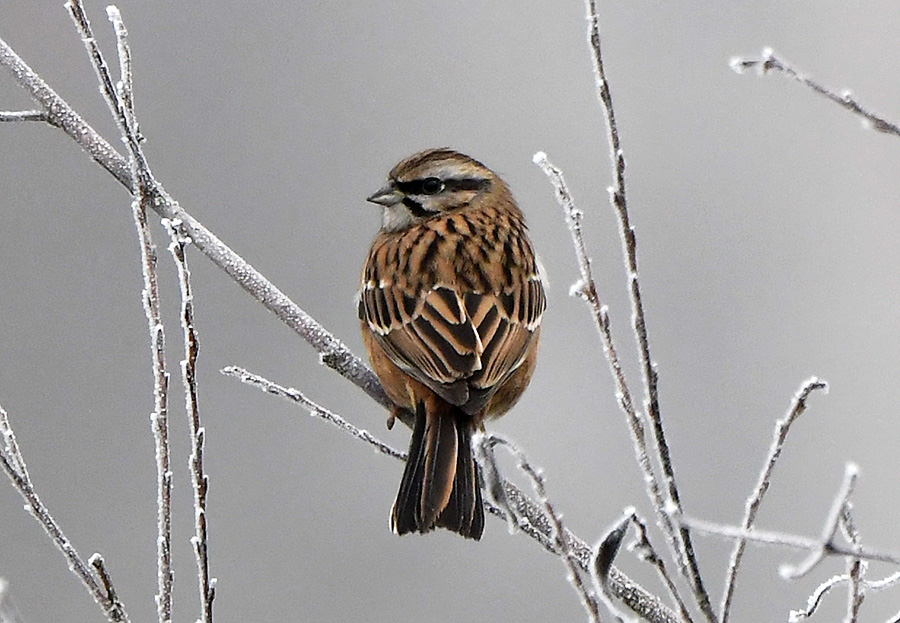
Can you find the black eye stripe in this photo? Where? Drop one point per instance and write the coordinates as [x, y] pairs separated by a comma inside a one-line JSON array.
[[415, 208], [417, 187]]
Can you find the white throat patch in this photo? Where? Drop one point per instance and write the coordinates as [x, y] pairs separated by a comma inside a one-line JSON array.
[[396, 218]]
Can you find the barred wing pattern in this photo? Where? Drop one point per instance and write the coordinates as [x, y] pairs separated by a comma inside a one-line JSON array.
[[461, 345]]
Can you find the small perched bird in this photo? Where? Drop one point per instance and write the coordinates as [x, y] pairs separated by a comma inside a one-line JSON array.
[[450, 305]]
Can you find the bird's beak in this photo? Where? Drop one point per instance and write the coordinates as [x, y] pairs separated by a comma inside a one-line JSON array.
[[386, 196]]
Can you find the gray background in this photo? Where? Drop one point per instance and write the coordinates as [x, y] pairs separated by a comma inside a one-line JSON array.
[[768, 235]]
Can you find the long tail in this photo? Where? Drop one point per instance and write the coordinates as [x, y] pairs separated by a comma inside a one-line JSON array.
[[440, 483]]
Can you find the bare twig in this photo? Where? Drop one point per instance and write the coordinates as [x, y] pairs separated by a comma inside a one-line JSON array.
[[679, 538], [13, 463], [782, 427], [649, 554], [14, 116], [818, 548], [855, 566], [791, 541], [199, 479], [769, 62], [314, 409], [558, 533], [121, 104], [815, 600], [99, 565]]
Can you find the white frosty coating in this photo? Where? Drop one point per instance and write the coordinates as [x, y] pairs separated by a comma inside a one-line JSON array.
[[577, 288], [737, 64]]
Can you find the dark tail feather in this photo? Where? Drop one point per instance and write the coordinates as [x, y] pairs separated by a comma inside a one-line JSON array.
[[405, 513], [440, 483], [465, 511]]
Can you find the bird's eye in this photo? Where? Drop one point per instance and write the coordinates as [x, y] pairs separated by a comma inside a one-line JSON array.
[[432, 185]]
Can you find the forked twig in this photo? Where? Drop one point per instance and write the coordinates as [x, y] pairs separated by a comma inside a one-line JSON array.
[[825, 545], [13, 463], [816, 598]]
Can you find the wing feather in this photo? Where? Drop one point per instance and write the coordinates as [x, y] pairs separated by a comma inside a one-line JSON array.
[[463, 346]]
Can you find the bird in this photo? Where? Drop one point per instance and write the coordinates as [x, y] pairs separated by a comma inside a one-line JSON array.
[[450, 305]]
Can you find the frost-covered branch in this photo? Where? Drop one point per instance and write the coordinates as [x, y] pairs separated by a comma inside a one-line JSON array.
[[199, 479], [586, 288], [679, 539], [13, 463], [768, 62], [816, 598], [558, 532], [782, 427]]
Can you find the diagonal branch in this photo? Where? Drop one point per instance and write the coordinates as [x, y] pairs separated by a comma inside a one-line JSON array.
[[798, 406], [769, 62]]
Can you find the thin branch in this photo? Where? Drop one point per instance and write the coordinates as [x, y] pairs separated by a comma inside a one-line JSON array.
[[649, 554], [315, 410], [14, 116], [855, 567], [99, 565], [13, 463], [782, 539], [562, 545], [534, 522], [199, 479], [121, 104], [679, 540], [818, 547], [769, 62], [816, 598], [782, 428]]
